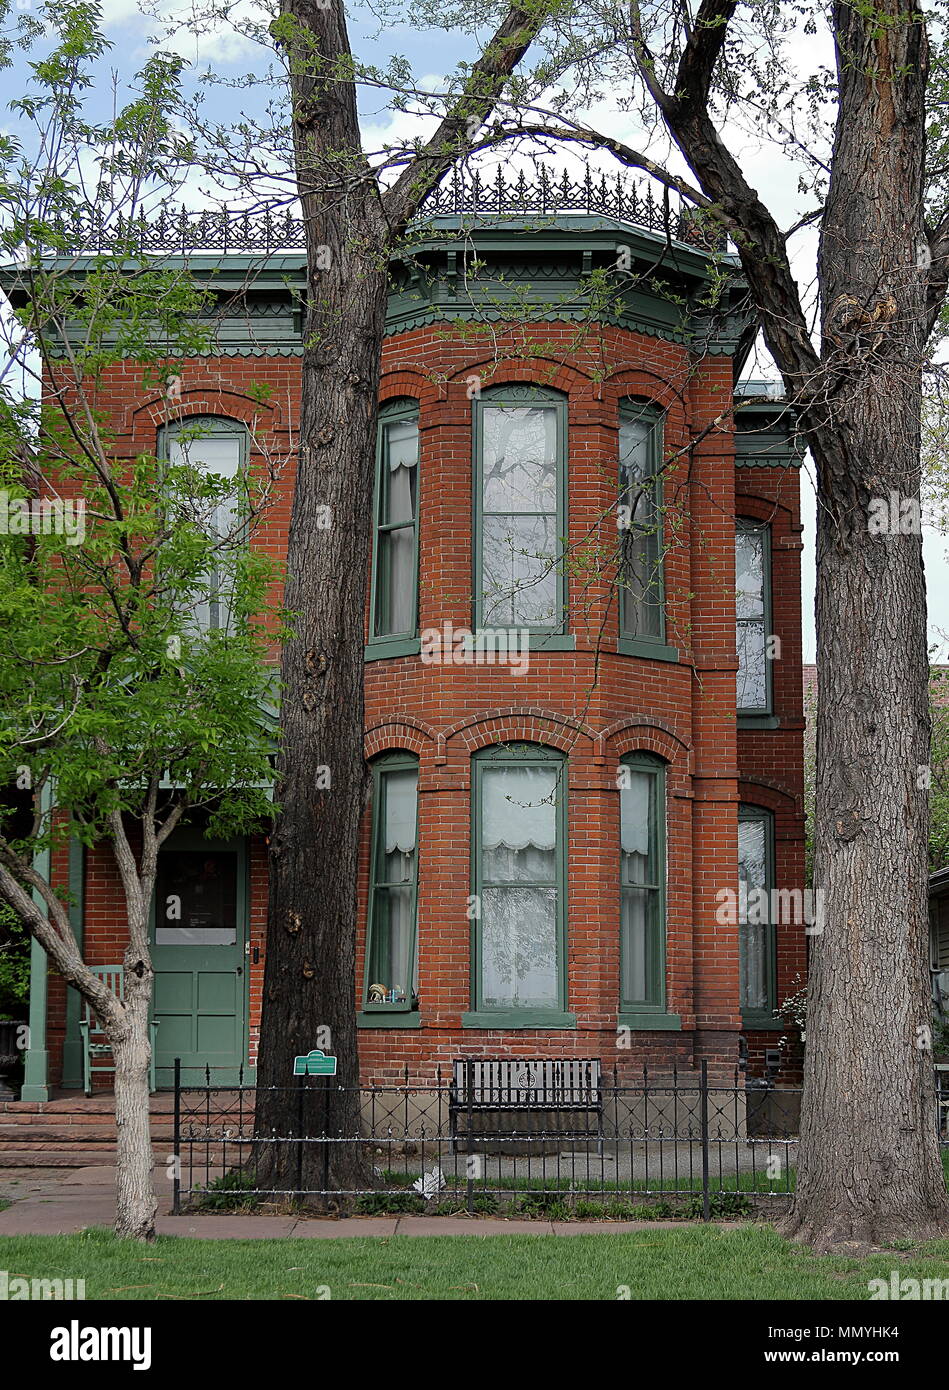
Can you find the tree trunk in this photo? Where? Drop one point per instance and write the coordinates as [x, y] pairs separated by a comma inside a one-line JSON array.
[[309, 979], [136, 1205], [869, 1169]]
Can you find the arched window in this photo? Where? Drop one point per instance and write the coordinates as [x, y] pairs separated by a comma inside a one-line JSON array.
[[216, 448], [519, 893], [394, 603], [640, 517], [391, 982], [520, 453], [753, 615], [642, 883], [755, 916]]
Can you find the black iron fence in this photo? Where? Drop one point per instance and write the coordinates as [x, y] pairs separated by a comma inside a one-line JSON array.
[[679, 1143]]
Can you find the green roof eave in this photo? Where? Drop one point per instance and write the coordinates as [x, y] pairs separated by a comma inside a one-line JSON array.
[[561, 232]]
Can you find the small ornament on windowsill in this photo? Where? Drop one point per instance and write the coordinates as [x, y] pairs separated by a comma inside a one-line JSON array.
[[377, 994]]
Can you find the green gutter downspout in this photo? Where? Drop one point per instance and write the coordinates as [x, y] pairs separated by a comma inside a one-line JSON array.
[[36, 1062]]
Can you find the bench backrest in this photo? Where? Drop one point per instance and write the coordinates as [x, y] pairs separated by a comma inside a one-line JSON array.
[[550, 1083], [113, 977]]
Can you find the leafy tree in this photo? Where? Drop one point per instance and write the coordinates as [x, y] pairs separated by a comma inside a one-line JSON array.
[[119, 713]]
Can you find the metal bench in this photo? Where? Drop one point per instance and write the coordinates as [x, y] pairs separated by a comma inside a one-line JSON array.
[[95, 1042], [560, 1085]]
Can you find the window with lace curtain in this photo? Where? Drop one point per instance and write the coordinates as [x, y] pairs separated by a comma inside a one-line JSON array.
[[395, 544], [642, 883], [391, 982], [755, 925], [520, 508], [519, 887]]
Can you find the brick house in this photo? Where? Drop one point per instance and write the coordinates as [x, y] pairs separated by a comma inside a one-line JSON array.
[[563, 801]]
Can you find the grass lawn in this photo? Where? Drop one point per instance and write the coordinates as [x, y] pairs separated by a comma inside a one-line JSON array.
[[747, 1262]]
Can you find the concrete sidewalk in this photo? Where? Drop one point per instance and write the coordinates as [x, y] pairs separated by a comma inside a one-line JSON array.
[[84, 1197]]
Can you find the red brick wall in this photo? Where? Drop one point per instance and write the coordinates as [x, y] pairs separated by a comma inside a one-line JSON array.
[[593, 704]]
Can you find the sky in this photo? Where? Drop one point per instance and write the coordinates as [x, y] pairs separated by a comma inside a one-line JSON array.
[[433, 53]]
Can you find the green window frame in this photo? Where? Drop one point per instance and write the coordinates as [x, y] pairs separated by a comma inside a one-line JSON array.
[[641, 577], [642, 792], [756, 927], [392, 921], [393, 605], [753, 685], [206, 434], [519, 888], [513, 532]]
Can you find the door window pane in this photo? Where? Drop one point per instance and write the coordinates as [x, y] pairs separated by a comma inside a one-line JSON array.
[[196, 898]]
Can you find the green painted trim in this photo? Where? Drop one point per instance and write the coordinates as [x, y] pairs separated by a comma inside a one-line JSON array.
[[188, 838], [515, 396], [648, 651], [36, 1061], [402, 408], [381, 648], [519, 755], [659, 1022], [748, 523], [493, 1019], [656, 768], [761, 1023], [632, 408], [410, 1019], [749, 812], [552, 642], [388, 762], [72, 1044], [758, 721]]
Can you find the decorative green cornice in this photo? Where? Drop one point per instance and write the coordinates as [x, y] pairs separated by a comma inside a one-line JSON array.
[[765, 430], [462, 271]]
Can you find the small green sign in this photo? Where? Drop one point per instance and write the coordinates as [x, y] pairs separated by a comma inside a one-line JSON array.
[[315, 1063]]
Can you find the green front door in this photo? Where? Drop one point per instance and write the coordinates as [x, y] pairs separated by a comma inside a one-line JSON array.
[[199, 927]]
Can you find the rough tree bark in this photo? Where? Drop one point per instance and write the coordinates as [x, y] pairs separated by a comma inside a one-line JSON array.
[[125, 1025], [351, 226], [868, 1167]]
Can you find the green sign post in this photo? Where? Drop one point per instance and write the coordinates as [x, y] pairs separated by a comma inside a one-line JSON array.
[[314, 1063]]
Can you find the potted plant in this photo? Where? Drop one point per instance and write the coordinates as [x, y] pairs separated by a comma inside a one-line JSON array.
[[14, 988]]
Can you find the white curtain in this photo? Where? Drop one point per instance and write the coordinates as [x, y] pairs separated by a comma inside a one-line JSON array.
[[752, 935]]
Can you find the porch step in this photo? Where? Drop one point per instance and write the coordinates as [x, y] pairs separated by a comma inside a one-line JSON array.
[[72, 1131]]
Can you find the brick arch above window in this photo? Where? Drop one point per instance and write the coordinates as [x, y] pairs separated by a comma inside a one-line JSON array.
[[635, 383], [768, 796], [761, 508], [647, 736], [540, 373], [406, 383], [201, 401], [527, 725], [400, 735]]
